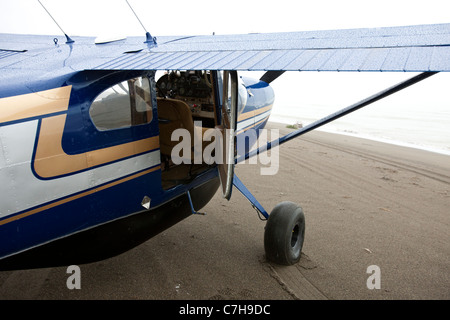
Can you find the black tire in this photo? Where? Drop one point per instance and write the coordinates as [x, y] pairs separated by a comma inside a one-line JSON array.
[[284, 233]]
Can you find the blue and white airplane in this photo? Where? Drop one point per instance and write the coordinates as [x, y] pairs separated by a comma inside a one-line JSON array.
[[86, 146]]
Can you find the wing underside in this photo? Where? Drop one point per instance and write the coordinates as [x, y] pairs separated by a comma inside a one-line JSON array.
[[412, 48]]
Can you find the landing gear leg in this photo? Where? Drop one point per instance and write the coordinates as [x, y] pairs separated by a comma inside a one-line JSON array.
[[285, 228]]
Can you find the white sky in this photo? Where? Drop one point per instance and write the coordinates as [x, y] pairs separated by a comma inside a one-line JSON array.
[[175, 17], [194, 17]]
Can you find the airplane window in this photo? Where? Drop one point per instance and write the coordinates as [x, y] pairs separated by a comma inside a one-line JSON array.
[[123, 105]]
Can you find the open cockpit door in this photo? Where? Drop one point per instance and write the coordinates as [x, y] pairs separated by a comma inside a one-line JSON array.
[[228, 116]]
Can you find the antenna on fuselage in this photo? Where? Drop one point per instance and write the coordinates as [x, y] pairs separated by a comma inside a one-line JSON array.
[[149, 38], [68, 39]]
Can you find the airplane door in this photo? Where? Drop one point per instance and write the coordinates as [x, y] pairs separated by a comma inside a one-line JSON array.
[[228, 128]]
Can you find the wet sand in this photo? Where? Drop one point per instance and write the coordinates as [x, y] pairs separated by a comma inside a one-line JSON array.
[[366, 203]]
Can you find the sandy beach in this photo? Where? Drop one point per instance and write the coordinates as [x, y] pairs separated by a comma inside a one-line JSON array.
[[366, 204]]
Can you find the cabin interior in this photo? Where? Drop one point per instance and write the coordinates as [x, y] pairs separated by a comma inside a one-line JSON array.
[[185, 100]]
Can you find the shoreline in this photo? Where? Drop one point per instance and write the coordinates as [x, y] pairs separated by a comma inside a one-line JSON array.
[[282, 125]]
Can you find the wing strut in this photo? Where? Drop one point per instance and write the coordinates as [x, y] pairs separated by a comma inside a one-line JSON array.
[[269, 76], [378, 96], [284, 232]]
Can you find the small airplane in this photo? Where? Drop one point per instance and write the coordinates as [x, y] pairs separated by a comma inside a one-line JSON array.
[[87, 163]]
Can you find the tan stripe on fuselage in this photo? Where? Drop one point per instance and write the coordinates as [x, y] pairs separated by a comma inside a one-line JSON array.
[[78, 196], [254, 113], [34, 104], [51, 160]]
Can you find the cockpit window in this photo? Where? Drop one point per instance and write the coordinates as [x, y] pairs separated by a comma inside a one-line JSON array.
[[123, 105]]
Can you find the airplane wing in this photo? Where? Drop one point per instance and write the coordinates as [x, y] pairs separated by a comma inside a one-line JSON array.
[[411, 48]]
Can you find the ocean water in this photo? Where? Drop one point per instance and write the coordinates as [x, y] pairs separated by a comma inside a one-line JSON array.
[[418, 118], [412, 131]]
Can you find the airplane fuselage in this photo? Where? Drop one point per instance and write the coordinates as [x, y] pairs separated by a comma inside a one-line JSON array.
[[83, 177]]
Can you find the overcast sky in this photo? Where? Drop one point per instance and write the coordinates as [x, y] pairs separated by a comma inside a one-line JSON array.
[[175, 17], [181, 17]]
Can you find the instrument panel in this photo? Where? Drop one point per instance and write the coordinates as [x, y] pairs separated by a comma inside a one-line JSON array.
[[192, 87]]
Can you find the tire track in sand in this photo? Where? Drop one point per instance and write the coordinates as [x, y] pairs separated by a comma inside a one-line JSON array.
[[294, 282]]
